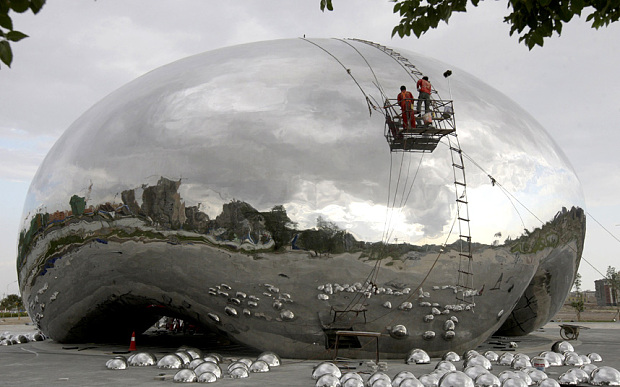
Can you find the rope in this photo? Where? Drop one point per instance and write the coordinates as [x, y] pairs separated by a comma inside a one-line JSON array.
[[368, 102], [510, 198], [378, 84]]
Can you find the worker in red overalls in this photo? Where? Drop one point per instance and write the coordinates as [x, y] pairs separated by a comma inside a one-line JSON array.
[[405, 100], [424, 87]]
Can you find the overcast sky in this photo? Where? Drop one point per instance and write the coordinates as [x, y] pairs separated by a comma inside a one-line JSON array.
[[79, 51]]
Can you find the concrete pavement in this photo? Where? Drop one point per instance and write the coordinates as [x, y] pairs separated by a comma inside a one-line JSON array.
[[47, 363]]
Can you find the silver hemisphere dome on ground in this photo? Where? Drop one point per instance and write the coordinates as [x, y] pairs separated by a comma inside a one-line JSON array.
[[251, 190]]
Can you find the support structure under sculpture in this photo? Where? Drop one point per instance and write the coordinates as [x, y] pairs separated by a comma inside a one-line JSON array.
[[250, 190]]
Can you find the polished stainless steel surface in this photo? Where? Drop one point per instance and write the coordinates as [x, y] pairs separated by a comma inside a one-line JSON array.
[[185, 376], [142, 359], [417, 356], [249, 190], [605, 376], [325, 368], [172, 361], [456, 379], [487, 380]]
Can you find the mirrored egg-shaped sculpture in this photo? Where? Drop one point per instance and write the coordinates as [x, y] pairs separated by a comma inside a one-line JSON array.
[[328, 380], [487, 380], [326, 367], [194, 353], [585, 359], [402, 375], [595, 357], [537, 375], [399, 331], [216, 169], [116, 364], [216, 357], [184, 376], [271, 358], [589, 368], [520, 362], [568, 379], [417, 356], [239, 373], [553, 358], [470, 353], [573, 359], [445, 365], [353, 383], [429, 380], [38, 336], [172, 361], [473, 371], [562, 346], [248, 362], [581, 374], [23, 339], [350, 375], [381, 383], [184, 356], [549, 383], [525, 376], [211, 359], [259, 366], [376, 376], [142, 359], [206, 377], [456, 379], [514, 382], [195, 363], [208, 366], [506, 359], [605, 376], [410, 382], [451, 356], [237, 364], [491, 355], [507, 375], [478, 360]]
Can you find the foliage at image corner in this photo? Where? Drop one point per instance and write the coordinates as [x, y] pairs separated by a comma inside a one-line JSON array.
[[532, 20], [7, 33]]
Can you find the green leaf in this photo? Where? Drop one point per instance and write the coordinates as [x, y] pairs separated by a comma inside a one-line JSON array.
[[15, 36], [36, 5], [5, 21], [19, 6], [6, 55], [326, 4]]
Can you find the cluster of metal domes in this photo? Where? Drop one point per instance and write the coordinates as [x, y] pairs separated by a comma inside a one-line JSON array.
[[193, 366], [477, 371], [8, 338]]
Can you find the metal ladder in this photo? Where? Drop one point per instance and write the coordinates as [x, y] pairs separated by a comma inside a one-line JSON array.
[[465, 278]]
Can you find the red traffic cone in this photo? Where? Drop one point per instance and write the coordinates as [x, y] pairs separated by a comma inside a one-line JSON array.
[[132, 343]]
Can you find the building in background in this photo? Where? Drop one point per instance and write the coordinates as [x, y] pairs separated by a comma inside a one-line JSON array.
[[604, 293]]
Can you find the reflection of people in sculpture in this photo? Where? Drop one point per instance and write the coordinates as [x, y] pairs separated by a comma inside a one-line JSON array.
[[424, 87], [405, 100]]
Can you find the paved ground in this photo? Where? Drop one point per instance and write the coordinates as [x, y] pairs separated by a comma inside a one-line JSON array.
[[48, 363]]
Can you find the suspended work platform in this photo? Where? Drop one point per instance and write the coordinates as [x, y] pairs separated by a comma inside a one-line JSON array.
[[422, 132]]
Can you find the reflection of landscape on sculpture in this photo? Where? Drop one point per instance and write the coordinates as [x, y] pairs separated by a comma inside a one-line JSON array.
[[262, 215], [252, 235]]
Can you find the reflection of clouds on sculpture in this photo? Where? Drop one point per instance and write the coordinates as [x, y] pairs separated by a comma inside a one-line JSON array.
[[304, 139]]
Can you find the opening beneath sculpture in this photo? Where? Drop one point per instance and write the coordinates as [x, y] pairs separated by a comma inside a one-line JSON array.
[[154, 326]]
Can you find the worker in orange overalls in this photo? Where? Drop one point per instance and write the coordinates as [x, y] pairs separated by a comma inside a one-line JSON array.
[[405, 100], [424, 87]]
